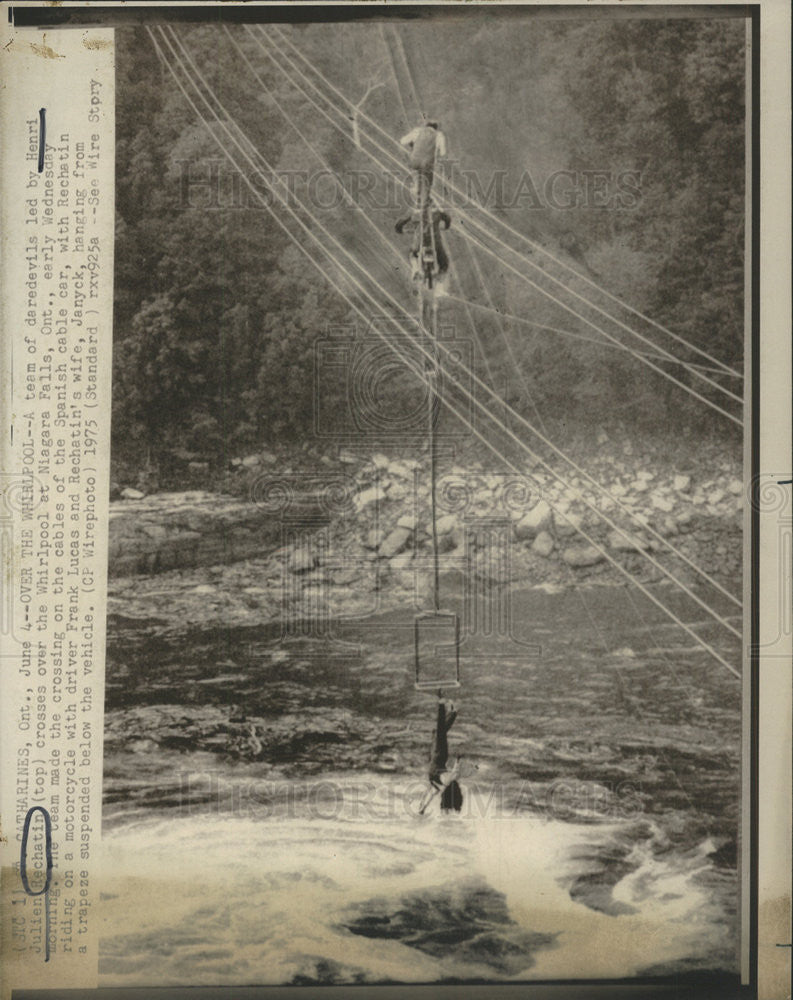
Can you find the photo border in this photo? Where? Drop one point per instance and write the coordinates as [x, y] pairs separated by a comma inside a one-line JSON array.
[[111, 16]]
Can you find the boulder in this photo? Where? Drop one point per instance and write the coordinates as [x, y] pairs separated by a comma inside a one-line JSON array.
[[716, 496], [449, 542], [663, 503], [617, 490], [406, 521], [251, 461], [395, 542], [347, 457], [631, 543], [640, 485], [302, 561], [682, 483], [380, 461], [372, 539], [128, 493], [366, 498], [538, 519], [543, 544], [582, 555], [569, 526], [401, 470], [736, 487], [446, 524]]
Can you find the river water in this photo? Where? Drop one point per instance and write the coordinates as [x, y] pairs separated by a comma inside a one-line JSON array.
[[261, 797]]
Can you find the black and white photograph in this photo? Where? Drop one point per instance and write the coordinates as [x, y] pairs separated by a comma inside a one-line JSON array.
[[427, 577], [427, 503]]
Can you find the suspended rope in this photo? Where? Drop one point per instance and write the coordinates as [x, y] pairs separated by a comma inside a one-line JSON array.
[[408, 361], [525, 321], [541, 461], [473, 222], [532, 244], [619, 505]]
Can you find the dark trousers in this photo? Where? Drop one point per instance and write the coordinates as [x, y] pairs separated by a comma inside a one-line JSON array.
[[440, 743], [424, 177]]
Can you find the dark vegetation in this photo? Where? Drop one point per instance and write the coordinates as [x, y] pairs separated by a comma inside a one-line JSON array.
[[217, 312]]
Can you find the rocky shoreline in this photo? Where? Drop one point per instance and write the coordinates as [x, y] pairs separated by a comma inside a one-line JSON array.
[[334, 532]]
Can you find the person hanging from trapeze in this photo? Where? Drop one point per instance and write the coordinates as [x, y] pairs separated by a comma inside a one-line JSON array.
[[424, 143], [412, 223], [442, 779]]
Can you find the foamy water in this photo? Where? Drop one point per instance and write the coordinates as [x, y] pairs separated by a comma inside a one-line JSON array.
[[348, 896]]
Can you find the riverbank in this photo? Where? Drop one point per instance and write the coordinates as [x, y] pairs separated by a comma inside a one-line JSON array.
[[334, 531]]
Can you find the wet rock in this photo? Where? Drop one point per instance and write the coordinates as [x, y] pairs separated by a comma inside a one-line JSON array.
[[395, 543], [582, 555], [543, 544], [538, 519], [681, 483], [471, 924], [128, 493]]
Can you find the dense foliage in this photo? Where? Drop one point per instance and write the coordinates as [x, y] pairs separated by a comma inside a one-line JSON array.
[[217, 311]]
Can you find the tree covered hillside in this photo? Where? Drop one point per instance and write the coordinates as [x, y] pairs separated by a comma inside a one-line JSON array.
[[618, 145]]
